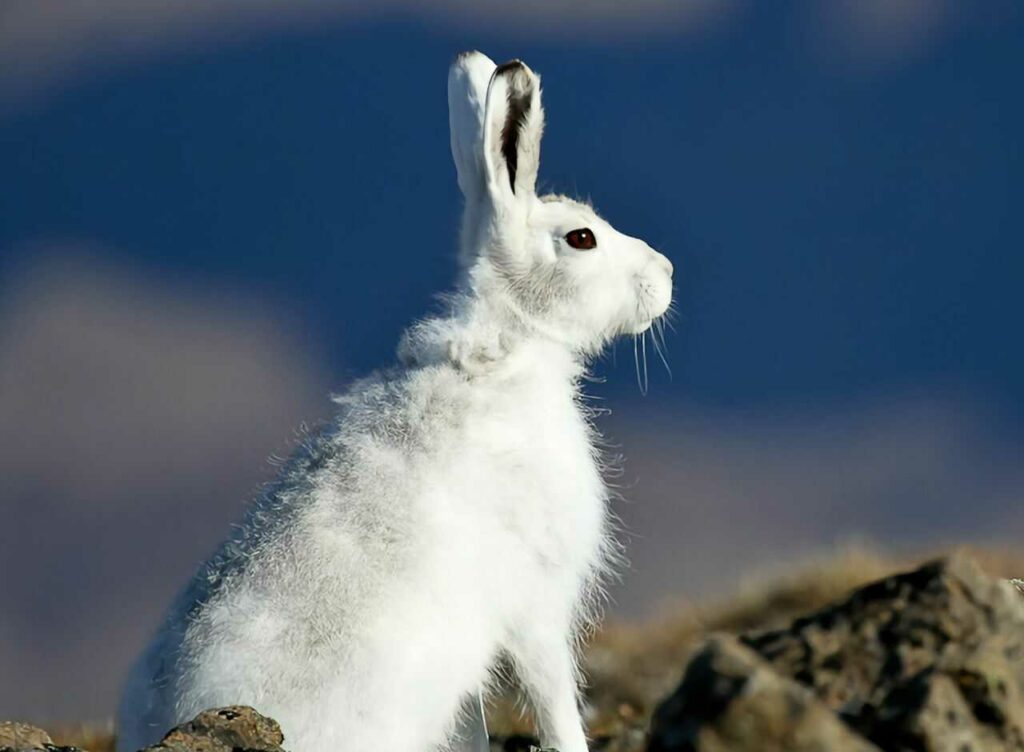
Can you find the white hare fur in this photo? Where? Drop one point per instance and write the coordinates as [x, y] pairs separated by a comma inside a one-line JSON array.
[[454, 512]]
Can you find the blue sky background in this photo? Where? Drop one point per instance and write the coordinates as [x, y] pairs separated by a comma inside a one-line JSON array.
[[837, 232], [257, 211]]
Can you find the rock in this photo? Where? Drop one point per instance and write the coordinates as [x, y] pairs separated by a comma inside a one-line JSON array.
[[733, 701], [930, 660], [16, 737], [232, 729], [23, 737]]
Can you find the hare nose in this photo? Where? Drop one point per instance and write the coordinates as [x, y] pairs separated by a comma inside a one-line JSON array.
[[664, 263]]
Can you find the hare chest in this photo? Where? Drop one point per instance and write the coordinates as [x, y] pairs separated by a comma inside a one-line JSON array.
[[531, 488]]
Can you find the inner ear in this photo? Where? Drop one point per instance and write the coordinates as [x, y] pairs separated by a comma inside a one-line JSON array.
[[520, 100]]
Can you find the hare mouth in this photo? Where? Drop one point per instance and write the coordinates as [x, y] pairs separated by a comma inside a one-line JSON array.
[[641, 327]]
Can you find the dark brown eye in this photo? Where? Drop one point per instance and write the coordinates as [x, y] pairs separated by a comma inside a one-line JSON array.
[[582, 239]]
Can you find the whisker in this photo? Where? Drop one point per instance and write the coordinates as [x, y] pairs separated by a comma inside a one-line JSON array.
[[643, 349], [671, 316], [656, 332], [636, 361]]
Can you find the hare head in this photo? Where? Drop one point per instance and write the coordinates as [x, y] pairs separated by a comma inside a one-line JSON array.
[[548, 263]]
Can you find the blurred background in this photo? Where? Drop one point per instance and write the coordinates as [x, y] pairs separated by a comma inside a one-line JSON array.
[[214, 214]]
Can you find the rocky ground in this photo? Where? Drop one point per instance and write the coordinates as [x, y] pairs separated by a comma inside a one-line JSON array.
[[928, 660], [850, 655]]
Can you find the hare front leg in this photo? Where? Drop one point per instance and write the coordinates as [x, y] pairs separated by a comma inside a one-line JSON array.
[[544, 661]]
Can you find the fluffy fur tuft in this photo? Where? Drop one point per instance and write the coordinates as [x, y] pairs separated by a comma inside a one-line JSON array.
[[454, 513]]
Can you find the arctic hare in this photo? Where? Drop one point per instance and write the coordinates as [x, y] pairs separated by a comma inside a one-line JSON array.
[[454, 512]]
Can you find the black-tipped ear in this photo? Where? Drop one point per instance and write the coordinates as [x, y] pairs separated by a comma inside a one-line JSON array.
[[515, 124], [519, 102]]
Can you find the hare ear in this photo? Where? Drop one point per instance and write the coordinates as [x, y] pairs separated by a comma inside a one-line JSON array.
[[468, 79], [514, 123]]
